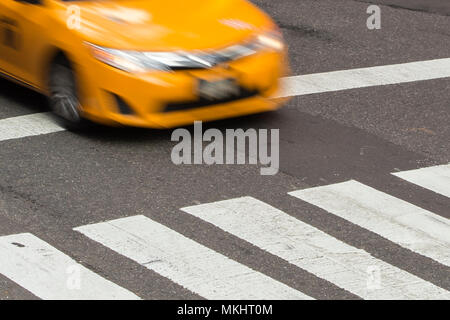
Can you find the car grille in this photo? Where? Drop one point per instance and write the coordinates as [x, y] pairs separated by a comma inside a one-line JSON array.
[[203, 102]]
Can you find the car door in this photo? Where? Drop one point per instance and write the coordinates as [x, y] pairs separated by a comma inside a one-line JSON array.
[[10, 36], [22, 38]]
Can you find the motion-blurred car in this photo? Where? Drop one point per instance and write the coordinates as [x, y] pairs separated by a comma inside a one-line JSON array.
[[148, 63]]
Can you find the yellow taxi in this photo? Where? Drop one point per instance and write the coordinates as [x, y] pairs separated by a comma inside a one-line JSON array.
[[146, 63]]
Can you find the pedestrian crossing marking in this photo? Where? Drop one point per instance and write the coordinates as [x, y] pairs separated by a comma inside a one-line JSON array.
[[399, 221], [304, 246], [29, 125], [365, 77], [436, 179], [186, 262], [46, 272]]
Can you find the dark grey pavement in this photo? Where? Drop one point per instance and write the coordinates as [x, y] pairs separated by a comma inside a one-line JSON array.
[[52, 183]]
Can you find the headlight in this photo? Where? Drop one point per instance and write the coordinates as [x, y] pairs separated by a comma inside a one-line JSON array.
[[130, 61], [140, 61], [272, 40]]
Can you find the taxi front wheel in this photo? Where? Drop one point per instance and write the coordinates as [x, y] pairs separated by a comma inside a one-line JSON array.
[[64, 98]]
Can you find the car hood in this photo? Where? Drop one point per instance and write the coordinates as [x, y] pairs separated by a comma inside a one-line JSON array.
[[170, 24]]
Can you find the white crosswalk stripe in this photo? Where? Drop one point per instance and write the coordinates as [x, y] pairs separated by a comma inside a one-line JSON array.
[[436, 178], [50, 274], [29, 125], [366, 77], [394, 219], [184, 261], [313, 250]]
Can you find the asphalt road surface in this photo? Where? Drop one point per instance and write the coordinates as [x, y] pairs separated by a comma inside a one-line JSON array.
[[106, 214]]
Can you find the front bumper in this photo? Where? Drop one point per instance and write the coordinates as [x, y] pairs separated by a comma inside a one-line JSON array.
[[145, 100]]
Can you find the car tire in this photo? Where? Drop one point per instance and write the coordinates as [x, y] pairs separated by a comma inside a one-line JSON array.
[[64, 100]]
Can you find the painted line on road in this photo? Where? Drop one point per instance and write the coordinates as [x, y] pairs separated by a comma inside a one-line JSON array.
[[44, 123], [399, 221], [29, 125], [365, 77], [50, 274], [436, 179], [304, 246], [186, 262]]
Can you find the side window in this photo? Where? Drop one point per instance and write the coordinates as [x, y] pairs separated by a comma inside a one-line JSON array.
[[9, 33]]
